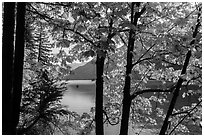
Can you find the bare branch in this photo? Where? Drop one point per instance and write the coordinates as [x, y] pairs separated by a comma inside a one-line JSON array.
[[108, 119], [143, 55]]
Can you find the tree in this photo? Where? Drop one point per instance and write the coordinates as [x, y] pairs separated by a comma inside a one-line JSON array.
[[135, 15], [18, 62], [179, 83], [15, 61], [155, 37], [92, 42], [7, 68], [41, 107], [147, 54]]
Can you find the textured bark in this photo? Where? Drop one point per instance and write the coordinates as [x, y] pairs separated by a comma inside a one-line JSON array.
[[99, 95], [18, 62], [7, 66], [175, 96]]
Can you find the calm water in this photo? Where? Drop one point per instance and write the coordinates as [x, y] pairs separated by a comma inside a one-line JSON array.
[[80, 97]]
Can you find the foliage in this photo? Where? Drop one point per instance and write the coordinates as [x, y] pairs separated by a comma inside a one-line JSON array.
[[162, 38], [41, 104]]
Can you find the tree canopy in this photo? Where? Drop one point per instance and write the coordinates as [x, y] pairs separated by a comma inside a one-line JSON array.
[[149, 51]]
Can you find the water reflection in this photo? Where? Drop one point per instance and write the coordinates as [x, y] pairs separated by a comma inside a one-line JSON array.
[[80, 96]]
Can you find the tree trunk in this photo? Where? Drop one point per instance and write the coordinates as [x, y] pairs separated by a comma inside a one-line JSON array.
[[126, 92], [18, 62], [99, 95], [7, 66], [175, 96]]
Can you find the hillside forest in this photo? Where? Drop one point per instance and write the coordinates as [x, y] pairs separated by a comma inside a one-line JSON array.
[[144, 59]]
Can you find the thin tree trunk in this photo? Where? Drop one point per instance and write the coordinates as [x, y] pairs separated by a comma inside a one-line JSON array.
[[179, 83], [99, 95], [7, 67], [18, 62], [175, 96], [126, 92]]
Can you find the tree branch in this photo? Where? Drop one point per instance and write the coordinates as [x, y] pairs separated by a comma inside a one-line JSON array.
[[188, 114], [63, 4], [133, 64], [108, 119], [49, 19]]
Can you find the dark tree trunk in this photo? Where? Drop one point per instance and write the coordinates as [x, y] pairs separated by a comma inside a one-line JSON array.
[[7, 66], [18, 62], [126, 92], [99, 95], [175, 96], [179, 83]]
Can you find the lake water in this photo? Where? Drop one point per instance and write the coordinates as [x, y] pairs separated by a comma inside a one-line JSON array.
[[80, 97]]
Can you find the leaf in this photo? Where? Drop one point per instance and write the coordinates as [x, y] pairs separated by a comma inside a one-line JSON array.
[[198, 54], [103, 30], [63, 43], [121, 13], [69, 59], [181, 21], [129, 25], [88, 53], [81, 28]]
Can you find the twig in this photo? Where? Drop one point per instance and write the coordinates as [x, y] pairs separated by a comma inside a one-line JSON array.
[[184, 117]]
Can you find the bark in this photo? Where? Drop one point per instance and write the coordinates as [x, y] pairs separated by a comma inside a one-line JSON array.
[[179, 83], [126, 92], [99, 95], [175, 96], [18, 62], [7, 66]]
